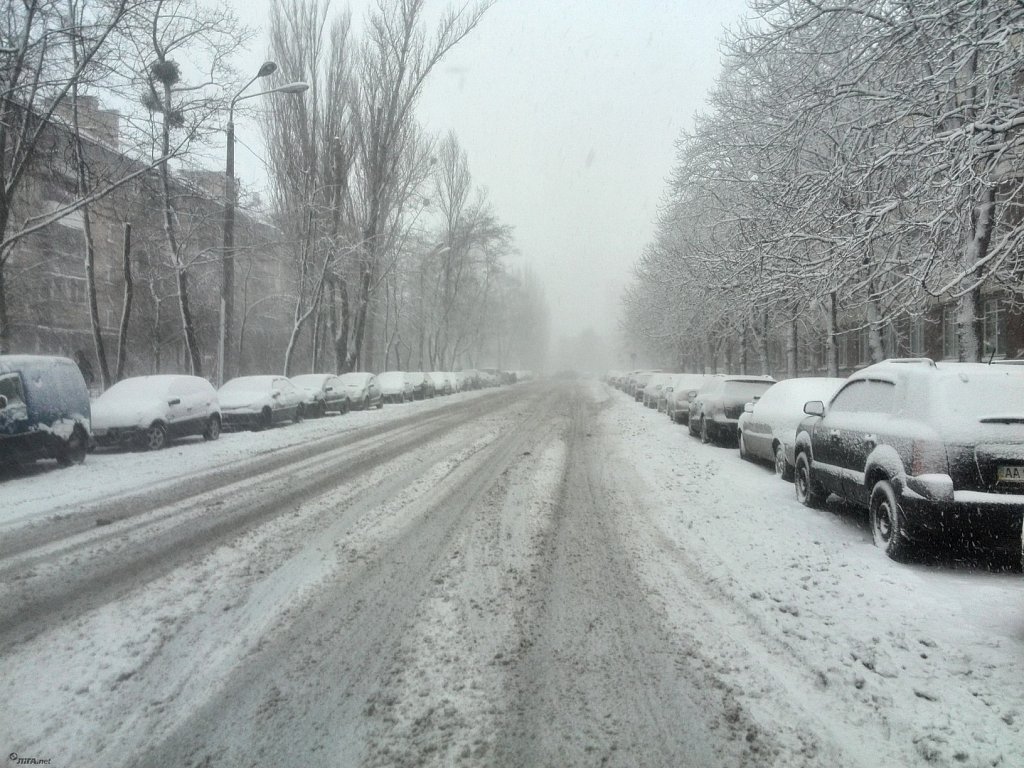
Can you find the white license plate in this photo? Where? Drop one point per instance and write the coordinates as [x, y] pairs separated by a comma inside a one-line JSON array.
[[1009, 474]]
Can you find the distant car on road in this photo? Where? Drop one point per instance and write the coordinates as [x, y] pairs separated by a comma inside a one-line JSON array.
[[363, 390], [258, 402], [933, 450], [442, 381], [715, 409], [44, 409], [147, 411], [767, 427], [324, 393]]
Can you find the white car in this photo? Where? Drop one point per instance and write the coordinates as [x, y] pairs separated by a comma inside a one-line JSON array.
[[767, 428], [363, 390], [443, 383], [257, 402], [149, 410], [395, 386]]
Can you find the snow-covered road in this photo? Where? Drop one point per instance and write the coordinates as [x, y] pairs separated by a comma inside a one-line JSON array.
[[546, 574]]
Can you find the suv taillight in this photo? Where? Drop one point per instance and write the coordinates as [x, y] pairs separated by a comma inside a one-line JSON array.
[[928, 458]]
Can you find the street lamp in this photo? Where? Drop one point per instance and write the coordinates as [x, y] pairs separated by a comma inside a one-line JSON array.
[[227, 291]]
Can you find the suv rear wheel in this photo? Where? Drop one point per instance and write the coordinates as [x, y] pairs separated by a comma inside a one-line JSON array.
[[887, 526]]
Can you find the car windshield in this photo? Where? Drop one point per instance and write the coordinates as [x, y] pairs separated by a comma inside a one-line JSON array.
[[745, 389], [138, 387], [253, 384], [967, 399], [310, 380]]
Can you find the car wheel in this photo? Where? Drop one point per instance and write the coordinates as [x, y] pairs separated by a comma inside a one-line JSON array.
[[300, 412], [808, 492], [212, 428], [887, 526], [705, 434], [743, 448], [380, 404], [344, 406], [782, 468], [266, 419], [366, 403], [321, 409], [690, 424], [73, 451], [154, 438]]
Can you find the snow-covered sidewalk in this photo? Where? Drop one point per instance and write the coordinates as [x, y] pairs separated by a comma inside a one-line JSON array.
[[894, 664]]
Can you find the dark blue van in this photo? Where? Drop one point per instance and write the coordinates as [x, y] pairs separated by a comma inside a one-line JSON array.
[[44, 409]]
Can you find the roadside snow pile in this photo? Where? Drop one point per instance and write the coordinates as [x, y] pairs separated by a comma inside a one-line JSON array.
[[892, 664]]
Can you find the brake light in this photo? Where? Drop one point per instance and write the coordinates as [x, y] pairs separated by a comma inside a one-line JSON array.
[[928, 457]]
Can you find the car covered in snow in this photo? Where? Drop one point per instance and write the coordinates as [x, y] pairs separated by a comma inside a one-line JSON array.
[[652, 391], [684, 388], [422, 387], [767, 427], [258, 402], [147, 411], [715, 409], [324, 393], [44, 409], [363, 390], [933, 450], [443, 382], [395, 386]]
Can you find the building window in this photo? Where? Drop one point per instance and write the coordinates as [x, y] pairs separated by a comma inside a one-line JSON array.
[[950, 343], [917, 337], [994, 328]]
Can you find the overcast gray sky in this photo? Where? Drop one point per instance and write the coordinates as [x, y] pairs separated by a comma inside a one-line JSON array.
[[569, 110]]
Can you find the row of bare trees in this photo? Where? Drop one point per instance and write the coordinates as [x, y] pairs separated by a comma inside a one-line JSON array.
[[398, 260], [359, 203], [858, 162]]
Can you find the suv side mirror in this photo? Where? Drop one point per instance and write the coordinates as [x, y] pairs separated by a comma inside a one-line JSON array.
[[275, 393], [174, 401], [814, 408], [748, 407]]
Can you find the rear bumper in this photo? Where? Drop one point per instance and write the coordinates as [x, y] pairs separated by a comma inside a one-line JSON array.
[[989, 520]]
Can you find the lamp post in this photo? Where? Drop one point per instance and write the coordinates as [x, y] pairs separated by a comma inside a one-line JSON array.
[[230, 202]]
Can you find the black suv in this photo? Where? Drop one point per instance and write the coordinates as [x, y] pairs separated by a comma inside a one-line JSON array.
[[930, 449]]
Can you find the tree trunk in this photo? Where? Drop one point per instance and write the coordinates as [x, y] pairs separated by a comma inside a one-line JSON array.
[[968, 328], [831, 349], [792, 347], [126, 310], [181, 271]]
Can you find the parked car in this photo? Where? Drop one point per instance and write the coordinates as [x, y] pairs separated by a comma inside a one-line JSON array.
[[324, 393], [666, 391], [651, 391], [44, 409], [639, 382], [715, 409], [422, 388], [258, 402], [684, 388], [363, 390], [395, 386], [442, 382], [931, 449], [147, 411], [767, 427]]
